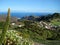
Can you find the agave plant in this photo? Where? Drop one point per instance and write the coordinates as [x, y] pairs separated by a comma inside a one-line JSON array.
[[5, 28]]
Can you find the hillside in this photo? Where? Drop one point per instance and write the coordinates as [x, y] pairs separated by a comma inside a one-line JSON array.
[[44, 18], [33, 28]]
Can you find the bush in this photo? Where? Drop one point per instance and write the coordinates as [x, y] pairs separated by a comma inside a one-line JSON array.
[[14, 38]]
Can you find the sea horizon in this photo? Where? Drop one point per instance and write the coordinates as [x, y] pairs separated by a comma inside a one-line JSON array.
[[22, 14]]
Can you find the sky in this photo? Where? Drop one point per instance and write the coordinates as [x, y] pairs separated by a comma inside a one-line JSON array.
[[30, 5]]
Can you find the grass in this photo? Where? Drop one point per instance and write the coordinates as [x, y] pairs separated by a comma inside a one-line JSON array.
[[55, 22]]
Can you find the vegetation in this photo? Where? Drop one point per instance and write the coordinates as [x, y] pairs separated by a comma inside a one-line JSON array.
[[31, 32], [6, 26], [41, 34], [12, 37]]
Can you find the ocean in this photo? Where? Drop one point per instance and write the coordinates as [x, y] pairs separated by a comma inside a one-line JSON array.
[[22, 14]]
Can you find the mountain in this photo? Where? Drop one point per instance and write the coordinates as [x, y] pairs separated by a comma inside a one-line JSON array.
[[44, 17]]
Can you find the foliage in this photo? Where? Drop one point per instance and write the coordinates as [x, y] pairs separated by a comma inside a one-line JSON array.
[[14, 37], [30, 30], [6, 26], [38, 33], [1, 25]]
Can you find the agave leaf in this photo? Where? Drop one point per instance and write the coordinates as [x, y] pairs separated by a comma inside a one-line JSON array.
[[5, 28]]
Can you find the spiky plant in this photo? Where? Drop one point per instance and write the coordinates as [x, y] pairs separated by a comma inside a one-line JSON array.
[[5, 28]]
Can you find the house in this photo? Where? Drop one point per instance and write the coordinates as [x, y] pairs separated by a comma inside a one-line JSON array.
[[12, 23], [20, 25], [48, 26], [17, 24]]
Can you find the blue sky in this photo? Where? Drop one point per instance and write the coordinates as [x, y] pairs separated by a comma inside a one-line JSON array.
[[30, 5]]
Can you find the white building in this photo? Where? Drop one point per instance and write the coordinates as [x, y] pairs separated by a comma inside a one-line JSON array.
[[13, 24]]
